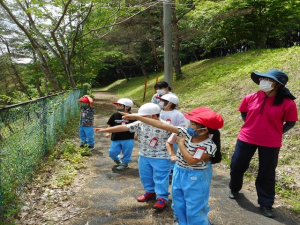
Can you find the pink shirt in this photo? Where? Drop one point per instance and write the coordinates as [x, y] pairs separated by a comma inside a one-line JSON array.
[[265, 129]]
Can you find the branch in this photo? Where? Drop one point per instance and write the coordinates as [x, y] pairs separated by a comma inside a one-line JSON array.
[[32, 41], [55, 28], [32, 23], [186, 12], [77, 29], [62, 16], [114, 24]]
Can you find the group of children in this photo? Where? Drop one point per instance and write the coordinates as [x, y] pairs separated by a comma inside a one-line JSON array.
[[160, 128]]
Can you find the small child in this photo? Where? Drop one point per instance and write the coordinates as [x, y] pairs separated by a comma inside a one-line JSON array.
[[193, 171], [154, 161], [123, 141], [168, 103], [86, 124]]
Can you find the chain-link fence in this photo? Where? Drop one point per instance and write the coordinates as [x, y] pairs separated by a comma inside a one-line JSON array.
[[27, 130]]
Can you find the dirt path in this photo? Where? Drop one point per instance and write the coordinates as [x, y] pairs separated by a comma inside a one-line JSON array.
[[109, 196]]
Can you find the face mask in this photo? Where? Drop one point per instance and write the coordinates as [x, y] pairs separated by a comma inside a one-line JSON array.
[[192, 132], [84, 104], [265, 85], [161, 104], [161, 91]]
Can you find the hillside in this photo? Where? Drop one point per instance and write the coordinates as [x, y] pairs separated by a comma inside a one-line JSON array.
[[220, 84]]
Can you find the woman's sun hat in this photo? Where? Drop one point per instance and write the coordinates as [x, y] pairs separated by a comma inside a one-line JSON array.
[[206, 117], [277, 75]]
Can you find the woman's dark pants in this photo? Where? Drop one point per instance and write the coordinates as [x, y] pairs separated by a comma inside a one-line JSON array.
[[265, 181]]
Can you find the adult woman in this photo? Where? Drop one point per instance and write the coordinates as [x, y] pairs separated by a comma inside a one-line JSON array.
[[267, 114]]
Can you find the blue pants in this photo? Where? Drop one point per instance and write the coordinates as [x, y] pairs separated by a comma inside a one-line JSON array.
[[87, 136], [265, 181], [190, 194], [124, 146], [154, 175]]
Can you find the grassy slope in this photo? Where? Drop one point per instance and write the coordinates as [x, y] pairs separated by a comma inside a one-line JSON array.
[[220, 84]]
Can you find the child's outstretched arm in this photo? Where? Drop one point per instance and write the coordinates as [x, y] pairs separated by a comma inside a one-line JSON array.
[[116, 129], [108, 134], [152, 122]]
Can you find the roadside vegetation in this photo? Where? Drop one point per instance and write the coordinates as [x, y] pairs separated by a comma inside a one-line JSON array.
[[51, 179], [221, 83]]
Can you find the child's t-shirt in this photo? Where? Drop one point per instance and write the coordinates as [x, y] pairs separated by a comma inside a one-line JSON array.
[[208, 145], [173, 117], [86, 117], [152, 140], [115, 120]]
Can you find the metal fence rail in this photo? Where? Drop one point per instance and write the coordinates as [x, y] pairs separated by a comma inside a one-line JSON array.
[[27, 131]]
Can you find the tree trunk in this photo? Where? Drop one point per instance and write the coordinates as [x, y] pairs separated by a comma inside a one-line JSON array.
[[38, 86], [15, 71], [176, 59], [153, 42], [124, 74], [142, 67]]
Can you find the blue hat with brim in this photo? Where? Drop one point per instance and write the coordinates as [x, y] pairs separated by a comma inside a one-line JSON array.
[[277, 75]]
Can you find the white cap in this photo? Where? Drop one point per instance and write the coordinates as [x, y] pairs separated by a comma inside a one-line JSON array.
[[170, 98], [124, 101], [149, 109]]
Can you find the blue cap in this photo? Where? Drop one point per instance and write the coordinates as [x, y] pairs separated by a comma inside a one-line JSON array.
[[277, 75]]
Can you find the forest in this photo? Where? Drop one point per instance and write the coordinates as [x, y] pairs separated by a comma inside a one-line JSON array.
[[54, 45]]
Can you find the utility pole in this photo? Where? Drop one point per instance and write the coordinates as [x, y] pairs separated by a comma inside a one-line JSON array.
[[168, 63]]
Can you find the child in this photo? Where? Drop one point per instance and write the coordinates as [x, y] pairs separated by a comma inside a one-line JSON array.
[[170, 114], [123, 141], [154, 161], [161, 88], [192, 172], [86, 124]]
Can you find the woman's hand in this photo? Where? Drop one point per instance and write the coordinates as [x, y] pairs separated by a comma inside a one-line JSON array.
[[107, 135]]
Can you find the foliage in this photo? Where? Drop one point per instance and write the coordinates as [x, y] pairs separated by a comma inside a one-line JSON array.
[[220, 84], [98, 42]]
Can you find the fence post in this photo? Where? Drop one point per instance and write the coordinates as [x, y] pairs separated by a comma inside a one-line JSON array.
[[44, 125], [1, 203]]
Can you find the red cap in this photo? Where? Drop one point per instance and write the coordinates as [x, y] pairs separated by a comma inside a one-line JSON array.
[[206, 117], [84, 99]]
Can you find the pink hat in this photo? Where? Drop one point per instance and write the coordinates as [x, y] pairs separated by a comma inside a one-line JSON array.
[[206, 117], [84, 99]]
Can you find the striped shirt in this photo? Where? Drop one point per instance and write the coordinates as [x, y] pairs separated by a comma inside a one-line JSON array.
[[208, 144]]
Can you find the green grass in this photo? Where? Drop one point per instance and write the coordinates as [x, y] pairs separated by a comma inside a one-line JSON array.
[[220, 84]]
